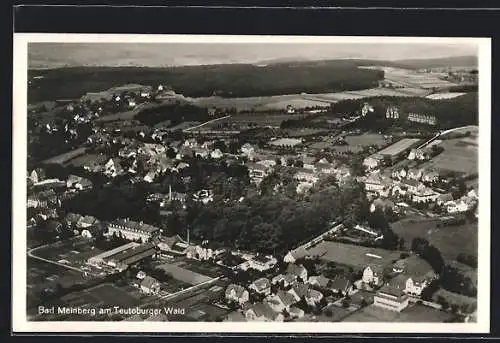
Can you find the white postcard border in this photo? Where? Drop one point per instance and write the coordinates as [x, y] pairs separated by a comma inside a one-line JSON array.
[[20, 323]]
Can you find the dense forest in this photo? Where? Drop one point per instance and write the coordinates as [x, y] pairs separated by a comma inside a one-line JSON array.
[[233, 80], [459, 111]]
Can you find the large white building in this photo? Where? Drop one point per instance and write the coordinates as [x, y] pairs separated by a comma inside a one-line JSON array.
[[132, 230]]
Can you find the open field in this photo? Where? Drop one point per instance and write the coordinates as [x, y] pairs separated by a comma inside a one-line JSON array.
[[108, 294], [62, 158], [413, 314], [244, 120], [352, 255], [366, 139], [410, 78], [450, 240], [448, 95], [459, 155], [207, 269], [355, 143], [183, 274]]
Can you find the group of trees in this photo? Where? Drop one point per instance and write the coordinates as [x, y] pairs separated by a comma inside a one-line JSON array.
[[272, 223], [429, 253], [451, 278]]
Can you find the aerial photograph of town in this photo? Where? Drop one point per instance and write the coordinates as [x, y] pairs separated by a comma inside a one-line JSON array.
[[226, 182]]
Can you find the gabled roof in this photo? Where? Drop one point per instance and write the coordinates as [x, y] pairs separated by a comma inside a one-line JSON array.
[[264, 310], [286, 298], [322, 281], [235, 316], [391, 291], [262, 283], [376, 269], [340, 283], [239, 290], [148, 282], [300, 289], [295, 269]]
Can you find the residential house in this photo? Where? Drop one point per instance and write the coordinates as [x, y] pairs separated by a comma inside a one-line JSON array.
[[325, 168], [456, 206], [306, 175], [418, 154], [173, 244], [235, 316], [267, 163], [294, 255], [237, 294], [72, 219], [444, 198], [412, 185], [247, 149], [262, 263], [341, 285], [319, 281], [424, 195], [263, 312], [391, 298], [382, 204], [216, 154], [299, 291], [91, 231], [430, 176], [296, 312], [280, 301], [375, 183], [276, 280], [198, 252], [289, 279], [372, 162], [298, 270], [85, 222], [373, 275], [257, 171], [150, 285], [399, 173], [112, 168], [150, 176], [261, 286], [415, 274], [313, 297], [415, 174]]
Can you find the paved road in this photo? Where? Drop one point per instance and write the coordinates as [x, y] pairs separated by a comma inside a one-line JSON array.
[[205, 123], [444, 133]]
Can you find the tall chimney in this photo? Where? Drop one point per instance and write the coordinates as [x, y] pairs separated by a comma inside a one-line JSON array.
[[187, 235], [170, 192]]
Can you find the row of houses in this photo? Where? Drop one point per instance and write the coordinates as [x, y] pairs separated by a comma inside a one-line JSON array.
[[294, 287]]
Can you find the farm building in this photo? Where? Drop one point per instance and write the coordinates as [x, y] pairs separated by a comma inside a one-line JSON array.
[[124, 255], [393, 151], [101, 258]]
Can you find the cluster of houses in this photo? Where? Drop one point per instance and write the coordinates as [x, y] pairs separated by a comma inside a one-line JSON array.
[[395, 285], [415, 185], [282, 294]]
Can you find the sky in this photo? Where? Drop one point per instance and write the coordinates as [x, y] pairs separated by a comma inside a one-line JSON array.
[[54, 55]]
